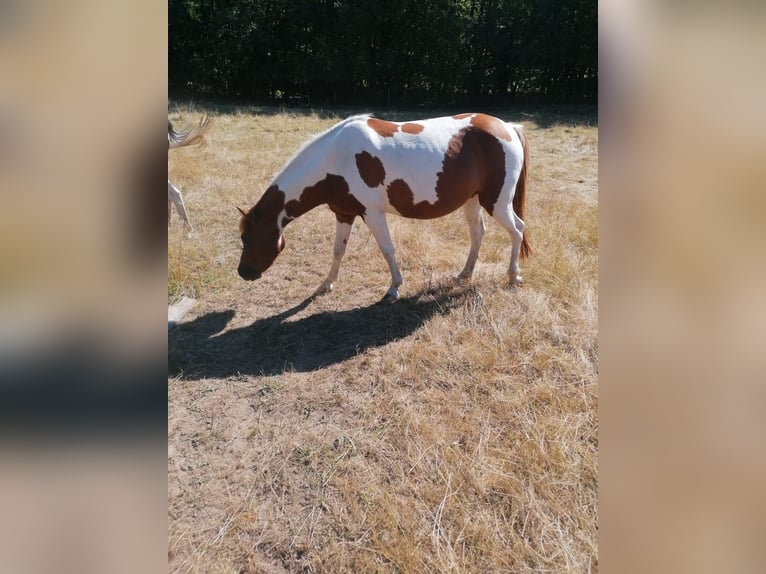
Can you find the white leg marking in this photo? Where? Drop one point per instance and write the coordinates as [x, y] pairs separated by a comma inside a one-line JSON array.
[[376, 221], [515, 227], [473, 215], [342, 233], [174, 196]]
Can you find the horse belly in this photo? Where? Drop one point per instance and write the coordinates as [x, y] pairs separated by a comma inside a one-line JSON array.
[[427, 190]]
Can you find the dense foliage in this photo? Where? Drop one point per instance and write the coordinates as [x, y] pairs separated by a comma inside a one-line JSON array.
[[324, 52]]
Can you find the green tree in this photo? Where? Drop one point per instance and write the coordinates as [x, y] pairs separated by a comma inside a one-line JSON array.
[[459, 52]]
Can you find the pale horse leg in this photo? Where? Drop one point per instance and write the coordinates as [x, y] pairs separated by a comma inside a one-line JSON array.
[[473, 215], [342, 233], [505, 216], [175, 197], [376, 221]]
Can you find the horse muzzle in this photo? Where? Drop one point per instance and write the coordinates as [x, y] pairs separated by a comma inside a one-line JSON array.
[[248, 274]]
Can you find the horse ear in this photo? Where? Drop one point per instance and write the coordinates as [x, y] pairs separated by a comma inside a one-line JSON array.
[[240, 210]]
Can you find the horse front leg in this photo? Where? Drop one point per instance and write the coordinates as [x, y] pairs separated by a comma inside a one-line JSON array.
[[174, 196], [342, 234], [379, 229]]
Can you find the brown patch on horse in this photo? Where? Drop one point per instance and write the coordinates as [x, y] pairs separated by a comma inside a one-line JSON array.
[[332, 190], [493, 164], [345, 218], [474, 163], [410, 128], [382, 127], [370, 169], [462, 116], [401, 197], [471, 167], [491, 125]]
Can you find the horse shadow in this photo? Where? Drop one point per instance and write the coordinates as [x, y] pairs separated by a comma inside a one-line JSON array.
[[275, 345]]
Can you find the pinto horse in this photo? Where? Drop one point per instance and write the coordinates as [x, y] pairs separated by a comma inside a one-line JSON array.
[[183, 138], [368, 167]]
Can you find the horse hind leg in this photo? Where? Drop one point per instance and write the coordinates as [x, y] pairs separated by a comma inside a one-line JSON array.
[[342, 234], [473, 215], [515, 227]]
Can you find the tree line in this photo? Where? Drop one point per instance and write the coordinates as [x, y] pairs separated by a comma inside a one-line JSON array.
[[388, 52]]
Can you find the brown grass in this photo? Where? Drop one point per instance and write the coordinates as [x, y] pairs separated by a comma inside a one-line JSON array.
[[455, 430]]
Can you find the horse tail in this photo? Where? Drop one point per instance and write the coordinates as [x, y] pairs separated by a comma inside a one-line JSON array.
[[519, 197], [195, 136]]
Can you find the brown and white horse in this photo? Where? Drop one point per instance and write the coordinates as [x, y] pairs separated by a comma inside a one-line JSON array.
[[368, 167], [176, 139]]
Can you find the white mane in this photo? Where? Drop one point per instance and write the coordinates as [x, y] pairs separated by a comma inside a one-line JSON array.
[[294, 159]]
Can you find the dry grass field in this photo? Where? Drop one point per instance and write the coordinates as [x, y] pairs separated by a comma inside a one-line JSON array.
[[453, 431]]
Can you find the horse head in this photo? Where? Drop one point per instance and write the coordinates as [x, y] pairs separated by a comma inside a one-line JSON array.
[[262, 241]]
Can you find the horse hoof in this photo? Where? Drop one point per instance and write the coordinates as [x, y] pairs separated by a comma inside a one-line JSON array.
[[323, 289], [515, 280], [462, 279], [390, 298]]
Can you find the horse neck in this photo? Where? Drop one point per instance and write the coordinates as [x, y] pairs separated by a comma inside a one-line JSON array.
[[304, 180]]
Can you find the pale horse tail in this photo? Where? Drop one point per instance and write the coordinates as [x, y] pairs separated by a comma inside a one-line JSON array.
[[194, 136], [519, 198]]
